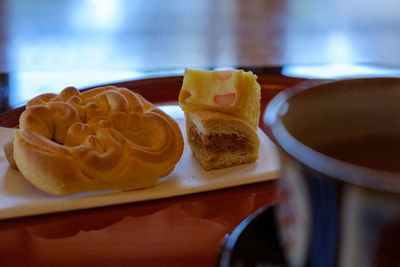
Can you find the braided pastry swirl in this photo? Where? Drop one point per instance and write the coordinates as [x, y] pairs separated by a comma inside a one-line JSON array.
[[107, 138]]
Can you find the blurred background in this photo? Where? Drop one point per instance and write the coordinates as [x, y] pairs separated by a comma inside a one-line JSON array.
[[50, 44]]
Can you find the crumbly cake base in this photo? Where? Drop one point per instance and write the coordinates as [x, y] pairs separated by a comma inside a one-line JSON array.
[[216, 151]]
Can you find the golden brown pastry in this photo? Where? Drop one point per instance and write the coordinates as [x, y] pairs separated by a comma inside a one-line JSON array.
[[220, 141], [106, 138], [8, 152]]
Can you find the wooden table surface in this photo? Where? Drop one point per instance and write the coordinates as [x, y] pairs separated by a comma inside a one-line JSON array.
[[138, 35], [48, 45]]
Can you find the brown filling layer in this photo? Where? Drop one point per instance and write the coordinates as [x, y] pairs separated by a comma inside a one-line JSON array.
[[220, 143]]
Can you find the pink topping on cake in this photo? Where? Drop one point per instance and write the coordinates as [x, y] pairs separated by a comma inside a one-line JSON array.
[[225, 100], [223, 75]]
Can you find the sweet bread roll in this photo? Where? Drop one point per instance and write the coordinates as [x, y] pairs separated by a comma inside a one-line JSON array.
[[233, 92], [8, 152], [106, 138], [219, 141]]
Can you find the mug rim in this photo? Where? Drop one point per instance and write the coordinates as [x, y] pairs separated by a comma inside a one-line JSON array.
[[334, 168]]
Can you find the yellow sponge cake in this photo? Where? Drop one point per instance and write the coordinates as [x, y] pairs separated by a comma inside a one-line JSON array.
[[233, 92]]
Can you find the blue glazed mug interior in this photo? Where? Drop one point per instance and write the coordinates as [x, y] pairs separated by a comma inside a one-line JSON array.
[[322, 198]]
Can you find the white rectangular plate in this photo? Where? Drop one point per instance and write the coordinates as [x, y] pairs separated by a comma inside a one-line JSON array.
[[19, 198]]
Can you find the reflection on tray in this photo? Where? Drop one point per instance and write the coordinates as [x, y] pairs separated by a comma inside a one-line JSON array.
[[146, 217]]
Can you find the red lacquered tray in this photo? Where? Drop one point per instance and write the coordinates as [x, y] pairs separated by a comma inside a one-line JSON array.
[[178, 231]]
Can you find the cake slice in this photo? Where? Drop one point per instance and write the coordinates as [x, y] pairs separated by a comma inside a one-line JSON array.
[[219, 141], [233, 92]]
